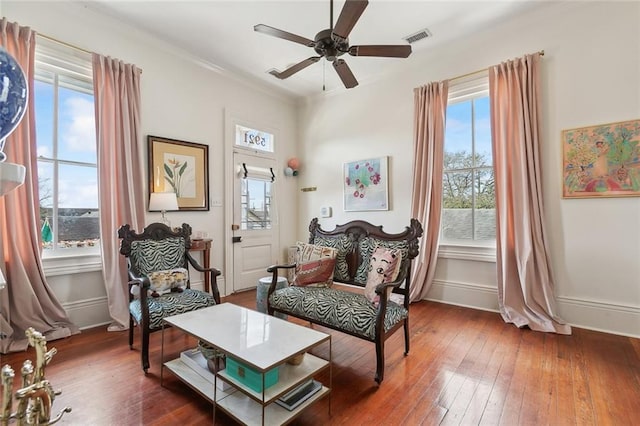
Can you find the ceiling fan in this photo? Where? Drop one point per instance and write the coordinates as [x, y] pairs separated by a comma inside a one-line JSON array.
[[334, 42]]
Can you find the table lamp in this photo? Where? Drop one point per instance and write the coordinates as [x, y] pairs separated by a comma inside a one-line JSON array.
[[163, 202]]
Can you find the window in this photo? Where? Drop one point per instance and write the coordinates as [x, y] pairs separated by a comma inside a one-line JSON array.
[[255, 204], [254, 139], [67, 159], [468, 210]]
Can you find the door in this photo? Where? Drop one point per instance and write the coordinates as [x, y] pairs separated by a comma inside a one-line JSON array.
[[254, 230]]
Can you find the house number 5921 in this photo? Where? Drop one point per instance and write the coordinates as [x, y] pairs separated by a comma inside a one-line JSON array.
[[254, 139]]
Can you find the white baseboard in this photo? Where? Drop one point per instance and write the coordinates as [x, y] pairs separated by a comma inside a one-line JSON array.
[[88, 313], [592, 315], [600, 316], [468, 295]]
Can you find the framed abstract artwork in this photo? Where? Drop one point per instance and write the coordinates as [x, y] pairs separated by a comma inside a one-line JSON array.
[[365, 185], [180, 167], [601, 161]]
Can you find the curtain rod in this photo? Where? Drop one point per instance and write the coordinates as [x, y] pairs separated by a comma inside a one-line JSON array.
[[541, 52], [64, 43]]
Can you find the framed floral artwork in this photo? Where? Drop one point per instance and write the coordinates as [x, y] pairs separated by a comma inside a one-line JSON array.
[[180, 167], [602, 160], [365, 185]]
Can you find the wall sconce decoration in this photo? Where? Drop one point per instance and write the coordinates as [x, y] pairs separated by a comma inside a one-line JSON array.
[[292, 167]]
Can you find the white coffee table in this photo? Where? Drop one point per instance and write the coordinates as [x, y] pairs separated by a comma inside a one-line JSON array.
[[260, 341]]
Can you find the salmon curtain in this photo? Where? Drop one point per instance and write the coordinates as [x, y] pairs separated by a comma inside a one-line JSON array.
[[430, 108], [27, 301], [525, 282], [120, 172]]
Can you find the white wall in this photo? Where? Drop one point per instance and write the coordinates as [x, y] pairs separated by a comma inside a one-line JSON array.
[[181, 99], [591, 71]]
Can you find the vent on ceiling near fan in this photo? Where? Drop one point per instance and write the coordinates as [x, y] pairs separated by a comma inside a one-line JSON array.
[[420, 35]]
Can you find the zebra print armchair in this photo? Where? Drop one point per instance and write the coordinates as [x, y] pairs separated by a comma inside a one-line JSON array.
[[158, 263]]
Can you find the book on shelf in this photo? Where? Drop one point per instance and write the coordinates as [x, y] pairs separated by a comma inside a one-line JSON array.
[[300, 394]]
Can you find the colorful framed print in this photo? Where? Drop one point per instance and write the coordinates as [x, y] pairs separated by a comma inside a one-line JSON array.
[[601, 161], [365, 185]]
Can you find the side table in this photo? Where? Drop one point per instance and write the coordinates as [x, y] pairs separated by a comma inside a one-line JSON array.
[[262, 291], [204, 245]]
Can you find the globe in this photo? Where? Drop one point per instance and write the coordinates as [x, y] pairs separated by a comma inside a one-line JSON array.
[[13, 96]]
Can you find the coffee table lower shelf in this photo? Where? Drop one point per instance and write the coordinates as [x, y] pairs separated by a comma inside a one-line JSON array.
[[237, 404]]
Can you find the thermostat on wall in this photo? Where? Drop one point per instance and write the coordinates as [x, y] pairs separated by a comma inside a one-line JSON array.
[[325, 211]]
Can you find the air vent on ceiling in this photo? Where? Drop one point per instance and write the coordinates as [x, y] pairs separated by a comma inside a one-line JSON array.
[[420, 35]]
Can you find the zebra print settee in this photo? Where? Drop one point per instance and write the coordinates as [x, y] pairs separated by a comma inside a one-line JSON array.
[[345, 309]]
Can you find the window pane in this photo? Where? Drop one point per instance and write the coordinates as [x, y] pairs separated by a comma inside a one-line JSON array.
[[43, 102], [457, 219], [458, 131], [77, 187], [256, 204], [254, 139], [45, 184], [482, 132], [485, 211], [76, 129]]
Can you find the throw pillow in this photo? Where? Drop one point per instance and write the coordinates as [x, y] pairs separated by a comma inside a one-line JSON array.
[[367, 245], [163, 282], [308, 252], [383, 268], [344, 245], [314, 272]]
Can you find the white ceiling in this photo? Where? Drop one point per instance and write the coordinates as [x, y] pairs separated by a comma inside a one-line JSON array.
[[221, 32]]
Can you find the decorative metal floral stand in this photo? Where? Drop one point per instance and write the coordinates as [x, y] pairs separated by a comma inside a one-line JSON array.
[[36, 395]]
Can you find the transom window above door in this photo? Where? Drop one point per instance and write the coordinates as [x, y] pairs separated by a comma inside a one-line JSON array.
[[254, 139]]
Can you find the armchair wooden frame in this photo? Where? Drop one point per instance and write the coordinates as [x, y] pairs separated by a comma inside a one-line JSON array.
[[158, 232]]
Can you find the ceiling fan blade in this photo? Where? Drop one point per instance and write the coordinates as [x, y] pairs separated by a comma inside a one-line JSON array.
[[349, 15], [389, 51], [295, 68], [265, 29], [345, 74]]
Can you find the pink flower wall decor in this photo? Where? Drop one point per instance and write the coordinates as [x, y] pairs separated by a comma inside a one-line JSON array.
[[366, 185]]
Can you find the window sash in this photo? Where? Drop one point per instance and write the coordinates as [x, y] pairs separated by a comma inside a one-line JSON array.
[[467, 89], [63, 68]]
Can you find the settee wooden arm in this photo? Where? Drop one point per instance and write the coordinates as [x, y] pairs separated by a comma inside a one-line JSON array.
[[274, 277]]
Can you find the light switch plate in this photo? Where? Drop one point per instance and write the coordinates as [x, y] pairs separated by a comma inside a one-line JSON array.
[[325, 211]]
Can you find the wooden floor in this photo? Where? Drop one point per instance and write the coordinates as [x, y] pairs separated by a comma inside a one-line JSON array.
[[466, 367]]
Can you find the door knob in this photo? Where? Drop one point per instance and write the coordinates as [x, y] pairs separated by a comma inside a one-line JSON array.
[[235, 227]]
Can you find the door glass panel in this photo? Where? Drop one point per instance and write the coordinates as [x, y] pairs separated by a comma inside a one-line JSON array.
[[255, 204]]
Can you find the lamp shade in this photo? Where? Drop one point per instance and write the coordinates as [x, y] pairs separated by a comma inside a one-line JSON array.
[[163, 202]]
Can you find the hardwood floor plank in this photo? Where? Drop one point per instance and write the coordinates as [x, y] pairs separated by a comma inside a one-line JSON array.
[[494, 409], [465, 367]]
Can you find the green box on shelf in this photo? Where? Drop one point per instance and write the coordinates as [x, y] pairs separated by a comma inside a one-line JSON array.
[[250, 377]]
